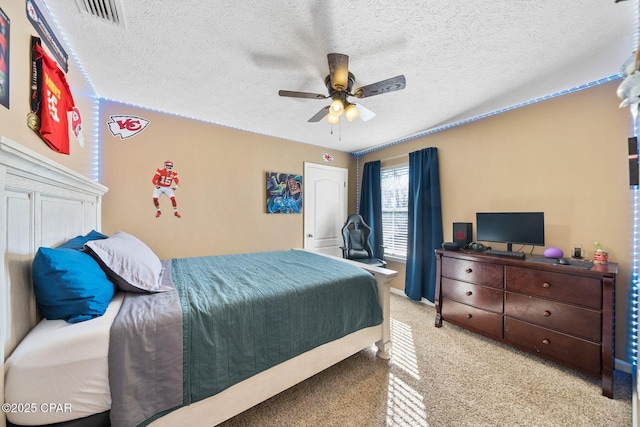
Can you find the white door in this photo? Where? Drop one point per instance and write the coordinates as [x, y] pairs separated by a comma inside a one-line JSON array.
[[325, 207]]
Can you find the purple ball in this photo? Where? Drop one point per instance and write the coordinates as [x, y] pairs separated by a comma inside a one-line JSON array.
[[553, 253]]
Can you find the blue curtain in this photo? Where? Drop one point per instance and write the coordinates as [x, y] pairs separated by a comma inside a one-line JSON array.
[[424, 230], [371, 205]]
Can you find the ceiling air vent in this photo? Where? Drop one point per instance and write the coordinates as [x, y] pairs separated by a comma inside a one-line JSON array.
[[106, 10]]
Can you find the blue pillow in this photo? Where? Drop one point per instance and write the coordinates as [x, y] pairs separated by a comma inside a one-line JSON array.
[[70, 285], [79, 241]]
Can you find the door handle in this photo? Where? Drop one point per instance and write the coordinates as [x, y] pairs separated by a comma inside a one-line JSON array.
[[309, 235]]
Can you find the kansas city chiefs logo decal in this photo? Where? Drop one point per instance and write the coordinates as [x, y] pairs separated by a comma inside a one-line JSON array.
[[126, 126]]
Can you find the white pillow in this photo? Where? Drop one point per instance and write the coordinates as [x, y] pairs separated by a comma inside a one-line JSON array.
[[128, 262]]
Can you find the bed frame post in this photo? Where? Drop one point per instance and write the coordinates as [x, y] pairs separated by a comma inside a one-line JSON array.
[[384, 287]]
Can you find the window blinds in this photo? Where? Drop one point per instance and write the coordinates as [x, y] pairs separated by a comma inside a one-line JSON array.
[[395, 199]]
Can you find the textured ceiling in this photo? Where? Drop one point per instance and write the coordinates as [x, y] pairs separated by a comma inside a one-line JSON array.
[[224, 61]]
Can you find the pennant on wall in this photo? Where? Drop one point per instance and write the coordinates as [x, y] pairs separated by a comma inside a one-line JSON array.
[[76, 126], [42, 27], [126, 126]]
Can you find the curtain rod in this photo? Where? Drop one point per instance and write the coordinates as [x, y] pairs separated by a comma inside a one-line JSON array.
[[395, 157], [392, 158]]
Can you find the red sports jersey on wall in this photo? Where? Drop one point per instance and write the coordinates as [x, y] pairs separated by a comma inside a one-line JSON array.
[[55, 101]]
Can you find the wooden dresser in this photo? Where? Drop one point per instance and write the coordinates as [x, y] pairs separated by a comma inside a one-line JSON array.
[[561, 313]]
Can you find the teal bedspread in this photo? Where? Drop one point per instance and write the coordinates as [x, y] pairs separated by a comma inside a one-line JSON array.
[[245, 313], [236, 316]]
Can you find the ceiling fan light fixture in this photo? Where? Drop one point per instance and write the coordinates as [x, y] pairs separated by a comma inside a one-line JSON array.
[[333, 119], [351, 112], [336, 107]]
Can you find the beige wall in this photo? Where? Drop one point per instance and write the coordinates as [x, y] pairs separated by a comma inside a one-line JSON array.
[[222, 192], [566, 156], [13, 121]]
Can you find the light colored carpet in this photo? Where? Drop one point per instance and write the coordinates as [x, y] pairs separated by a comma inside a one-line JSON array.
[[443, 377]]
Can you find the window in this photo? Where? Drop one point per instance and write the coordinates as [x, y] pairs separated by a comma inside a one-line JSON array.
[[395, 202]]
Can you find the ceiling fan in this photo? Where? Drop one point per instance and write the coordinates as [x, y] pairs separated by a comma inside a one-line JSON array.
[[339, 83]]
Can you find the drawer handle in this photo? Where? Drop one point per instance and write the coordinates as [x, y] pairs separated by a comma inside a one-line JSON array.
[[469, 293], [469, 316], [469, 270], [546, 285], [546, 313], [546, 341]]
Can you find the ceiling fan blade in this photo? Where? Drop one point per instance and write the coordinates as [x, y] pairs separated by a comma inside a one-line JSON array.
[[338, 70], [294, 94], [365, 113], [319, 115], [384, 86]]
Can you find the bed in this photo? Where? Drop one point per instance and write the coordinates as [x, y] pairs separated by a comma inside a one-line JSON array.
[[47, 205]]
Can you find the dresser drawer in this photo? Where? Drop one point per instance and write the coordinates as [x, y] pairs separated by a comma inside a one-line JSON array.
[[483, 297], [473, 272], [555, 315], [577, 352], [585, 291], [471, 317]]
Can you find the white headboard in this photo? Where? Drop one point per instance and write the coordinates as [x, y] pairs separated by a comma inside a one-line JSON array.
[[42, 203]]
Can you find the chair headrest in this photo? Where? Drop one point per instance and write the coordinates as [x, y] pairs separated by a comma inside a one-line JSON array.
[[355, 220]]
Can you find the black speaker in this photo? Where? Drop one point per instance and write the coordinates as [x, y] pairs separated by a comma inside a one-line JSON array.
[[451, 246], [462, 233]]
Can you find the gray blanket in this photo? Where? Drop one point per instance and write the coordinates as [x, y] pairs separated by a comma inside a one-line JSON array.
[[145, 356]]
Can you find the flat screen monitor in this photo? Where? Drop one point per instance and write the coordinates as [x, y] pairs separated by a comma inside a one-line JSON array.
[[526, 228]]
